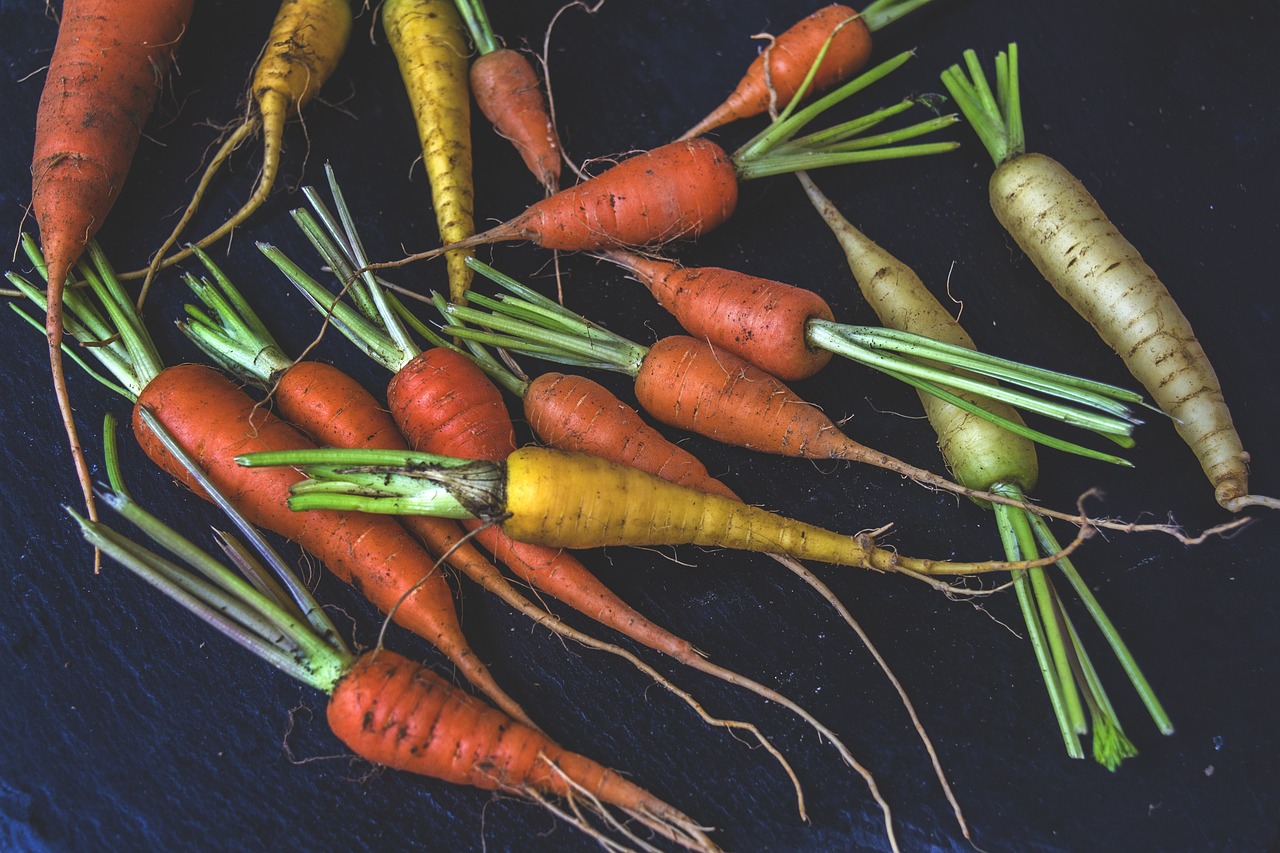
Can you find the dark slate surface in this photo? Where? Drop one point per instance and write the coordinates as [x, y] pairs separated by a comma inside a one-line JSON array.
[[127, 725]]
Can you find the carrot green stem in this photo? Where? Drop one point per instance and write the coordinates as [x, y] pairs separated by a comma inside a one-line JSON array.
[[477, 20], [1005, 522], [1072, 672], [996, 117], [775, 150], [308, 648], [881, 13]]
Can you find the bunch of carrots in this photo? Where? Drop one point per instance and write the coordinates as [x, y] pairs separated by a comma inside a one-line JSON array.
[[469, 496]]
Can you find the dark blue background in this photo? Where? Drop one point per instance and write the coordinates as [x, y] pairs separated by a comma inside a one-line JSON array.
[[128, 725]]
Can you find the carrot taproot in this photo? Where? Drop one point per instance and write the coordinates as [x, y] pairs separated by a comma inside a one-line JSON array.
[[507, 90], [384, 707], [683, 189], [215, 421], [306, 41], [429, 42], [103, 80], [1064, 231], [985, 456]]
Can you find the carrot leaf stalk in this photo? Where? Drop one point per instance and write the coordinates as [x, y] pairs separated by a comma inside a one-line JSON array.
[[259, 616]]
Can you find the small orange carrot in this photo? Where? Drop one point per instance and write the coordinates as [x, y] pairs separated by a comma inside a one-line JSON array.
[[507, 90]]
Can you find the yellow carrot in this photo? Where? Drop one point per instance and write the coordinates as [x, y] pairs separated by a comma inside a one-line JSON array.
[[306, 41], [430, 45]]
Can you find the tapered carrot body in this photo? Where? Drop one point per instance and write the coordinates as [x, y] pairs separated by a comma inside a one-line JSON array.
[[1078, 250], [430, 45], [507, 90], [103, 80], [336, 410], [400, 714], [789, 58], [679, 190], [761, 320]]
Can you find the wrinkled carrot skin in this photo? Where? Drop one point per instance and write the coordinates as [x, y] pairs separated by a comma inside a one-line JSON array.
[[430, 45], [434, 416], [1079, 251], [578, 414], [507, 90], [215, 422], [790, 58], [760, 320], [400, 714], [102, 83], [335, 410], [680, 190]]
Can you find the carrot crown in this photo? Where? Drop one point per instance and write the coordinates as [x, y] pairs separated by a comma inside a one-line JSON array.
[[996, 118], [277, 620], [109, 327], [391, 482], [477, 20]]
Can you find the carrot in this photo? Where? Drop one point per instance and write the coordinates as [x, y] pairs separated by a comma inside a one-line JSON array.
[[843, 33], [215, 421], [984, 456], [384, 707], [307, 39], [430, 46], [507, 90], [684, 189], [107, 67], [1073, 244]]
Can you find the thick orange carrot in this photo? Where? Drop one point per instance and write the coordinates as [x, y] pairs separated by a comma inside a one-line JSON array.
[[789, 57], [763, 321], [101, 85]]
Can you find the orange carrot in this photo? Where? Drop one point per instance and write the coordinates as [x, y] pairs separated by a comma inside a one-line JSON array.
[[507, 90], [101, 85], [762, 321], [790, 56]]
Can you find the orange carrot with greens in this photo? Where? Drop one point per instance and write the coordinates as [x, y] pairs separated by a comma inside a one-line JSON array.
[[307, 39], [216, 421], [507, 90], [836, 34], [386, 708], [790, 332], [683, 189], [103, 80]]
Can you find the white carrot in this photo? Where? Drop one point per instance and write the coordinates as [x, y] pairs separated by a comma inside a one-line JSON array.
[[1081, 253]]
